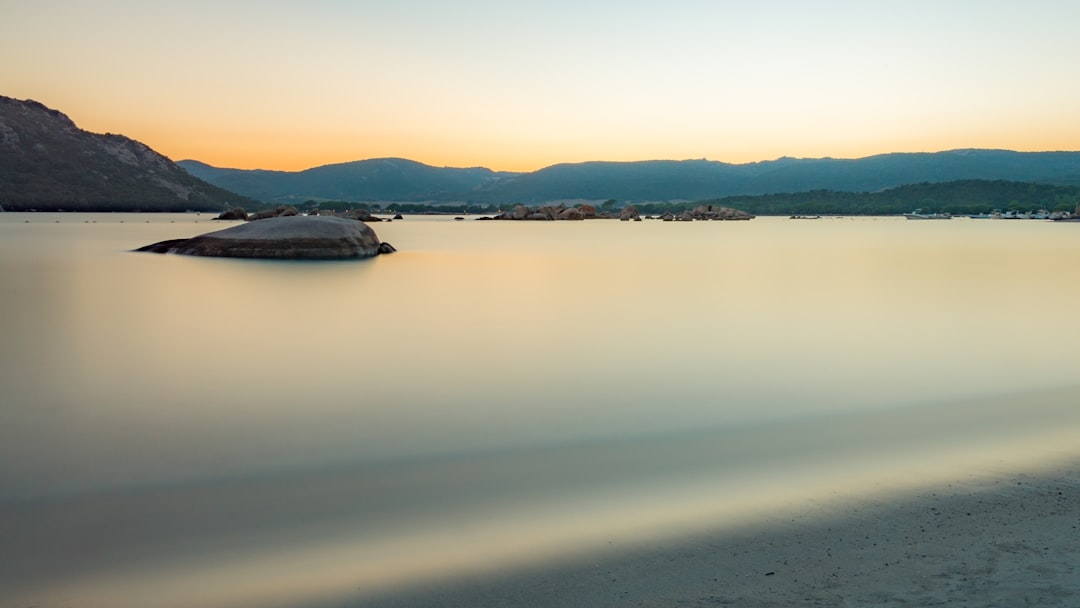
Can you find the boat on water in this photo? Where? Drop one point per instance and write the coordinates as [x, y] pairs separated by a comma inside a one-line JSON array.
[[1041, 214], [919, 215], [1009, 215]]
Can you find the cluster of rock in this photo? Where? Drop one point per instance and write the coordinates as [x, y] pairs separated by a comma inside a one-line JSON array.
[[707, 212], [549, 213], [296, 237], [628, 213], [238, 213]]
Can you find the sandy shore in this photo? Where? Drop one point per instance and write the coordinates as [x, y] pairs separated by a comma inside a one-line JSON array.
[[1007, 541]]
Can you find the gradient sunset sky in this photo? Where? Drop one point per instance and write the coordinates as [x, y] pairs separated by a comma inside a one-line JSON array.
[[522, 85]]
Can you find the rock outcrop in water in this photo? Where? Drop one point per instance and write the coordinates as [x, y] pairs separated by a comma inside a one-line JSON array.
[[714, 212], [547, 213], [628, 213], [283, 238]]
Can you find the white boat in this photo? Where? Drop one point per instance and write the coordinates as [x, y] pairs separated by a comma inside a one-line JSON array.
[[919, 215]]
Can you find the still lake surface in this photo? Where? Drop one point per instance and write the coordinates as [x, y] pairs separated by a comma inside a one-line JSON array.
[[181, 431]]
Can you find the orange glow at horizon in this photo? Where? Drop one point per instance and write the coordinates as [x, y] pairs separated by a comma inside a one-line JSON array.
[[287, 86], [269, 151]]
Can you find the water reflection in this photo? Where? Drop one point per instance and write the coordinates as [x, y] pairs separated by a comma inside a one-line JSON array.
[[194, 428]]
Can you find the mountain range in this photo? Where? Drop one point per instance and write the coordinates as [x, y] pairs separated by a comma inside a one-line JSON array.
[[48, 163], [391, 179], [395, 179]]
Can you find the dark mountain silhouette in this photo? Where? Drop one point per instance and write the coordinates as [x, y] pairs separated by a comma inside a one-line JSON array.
[[658, 180], [48, 163]]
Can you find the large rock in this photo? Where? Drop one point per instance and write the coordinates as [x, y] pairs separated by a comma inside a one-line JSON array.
[[551, 211], [571, 213], [286, 238], [362, 215]]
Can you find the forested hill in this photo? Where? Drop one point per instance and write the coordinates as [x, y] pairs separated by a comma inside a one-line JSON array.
[[48, 163], [386, 179]]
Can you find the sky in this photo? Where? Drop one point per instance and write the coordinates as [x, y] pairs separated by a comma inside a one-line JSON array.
[[517, 86]]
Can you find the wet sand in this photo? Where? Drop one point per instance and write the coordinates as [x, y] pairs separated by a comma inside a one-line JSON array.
[[1010, 540]]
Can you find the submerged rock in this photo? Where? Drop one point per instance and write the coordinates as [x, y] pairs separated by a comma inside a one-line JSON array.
[[279, 211], [284, 238], [236, 213]]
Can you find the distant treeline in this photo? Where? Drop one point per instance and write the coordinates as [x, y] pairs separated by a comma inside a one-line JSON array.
[[958, 197]]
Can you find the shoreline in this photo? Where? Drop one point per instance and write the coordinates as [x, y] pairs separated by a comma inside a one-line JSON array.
[[1008, 540]]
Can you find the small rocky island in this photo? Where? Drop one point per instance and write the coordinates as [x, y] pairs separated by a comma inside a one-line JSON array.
[[296, 237], [628, 213]]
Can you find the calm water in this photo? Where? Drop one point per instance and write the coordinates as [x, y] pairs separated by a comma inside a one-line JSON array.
[[204, 432]]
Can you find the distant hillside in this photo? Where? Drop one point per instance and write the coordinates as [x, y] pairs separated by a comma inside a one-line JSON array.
[[48, 163], [381, 179], [700, 179], [657, 181]]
